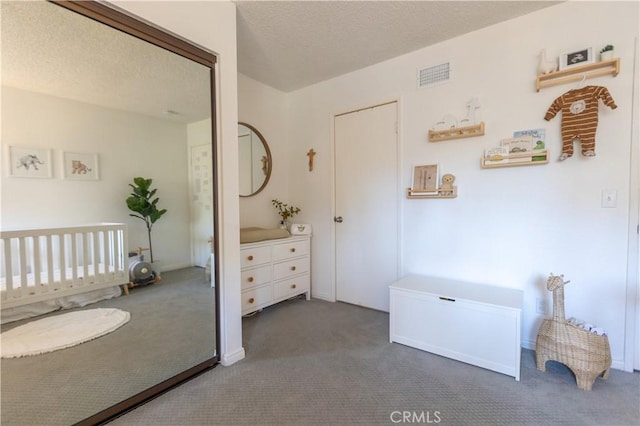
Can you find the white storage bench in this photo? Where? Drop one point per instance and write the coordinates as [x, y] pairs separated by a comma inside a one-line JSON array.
[[473, 323]]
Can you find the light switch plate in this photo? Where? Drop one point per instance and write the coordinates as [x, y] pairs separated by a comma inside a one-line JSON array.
[[609, 198]]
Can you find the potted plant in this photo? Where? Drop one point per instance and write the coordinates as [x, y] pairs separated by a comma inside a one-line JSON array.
[[606, 53], [285, 211], [142, 202]]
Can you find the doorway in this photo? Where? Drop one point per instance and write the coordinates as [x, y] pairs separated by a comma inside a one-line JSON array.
[[201, 183], [366, 205]]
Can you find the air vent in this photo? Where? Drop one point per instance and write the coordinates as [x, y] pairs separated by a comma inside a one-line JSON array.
[[435, 74]]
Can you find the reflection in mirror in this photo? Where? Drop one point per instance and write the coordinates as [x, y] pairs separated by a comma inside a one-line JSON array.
[[254, 159], [74, 86]]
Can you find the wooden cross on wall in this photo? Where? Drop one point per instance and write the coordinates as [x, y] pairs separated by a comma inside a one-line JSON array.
[[311, 154]]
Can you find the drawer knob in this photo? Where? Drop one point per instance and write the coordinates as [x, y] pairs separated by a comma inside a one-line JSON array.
[[293, 268], [251, 300], [250, 279], [293, 250], [293, 286], [250, 258]]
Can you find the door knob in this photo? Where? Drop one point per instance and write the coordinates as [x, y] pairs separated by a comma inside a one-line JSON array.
[[337, 219]]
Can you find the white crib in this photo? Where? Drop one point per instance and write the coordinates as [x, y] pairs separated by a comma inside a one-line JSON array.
[[43, 264]]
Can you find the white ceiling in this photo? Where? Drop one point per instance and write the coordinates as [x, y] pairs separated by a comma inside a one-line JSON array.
[[284, 44], [292, 44]]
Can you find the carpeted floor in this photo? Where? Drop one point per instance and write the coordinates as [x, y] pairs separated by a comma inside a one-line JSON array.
[[172, 328], [321, 363]]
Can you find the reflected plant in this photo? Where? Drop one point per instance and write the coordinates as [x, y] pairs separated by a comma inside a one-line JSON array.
[[141, 202]]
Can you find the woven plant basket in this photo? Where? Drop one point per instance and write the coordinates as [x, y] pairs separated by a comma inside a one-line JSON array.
[[587, 354]]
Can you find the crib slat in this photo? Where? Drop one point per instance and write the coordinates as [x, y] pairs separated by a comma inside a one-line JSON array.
[[97, 275], [24, 283], [74, 260], [8, 268], [123, 255], [106, 253], [37, 267], [85, 259], [51, 281], [63, 262]]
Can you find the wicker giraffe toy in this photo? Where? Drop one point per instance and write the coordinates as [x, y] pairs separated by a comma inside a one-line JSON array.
[[587, 354]]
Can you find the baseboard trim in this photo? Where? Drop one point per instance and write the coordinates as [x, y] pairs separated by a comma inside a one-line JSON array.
[[174, 266], [233, 357], [324, 297]]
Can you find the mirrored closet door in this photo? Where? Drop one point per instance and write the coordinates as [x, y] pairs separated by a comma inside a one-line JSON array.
[[76, 82]]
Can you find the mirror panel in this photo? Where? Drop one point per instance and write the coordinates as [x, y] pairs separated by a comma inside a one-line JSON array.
[[254, 158], [98, 106]]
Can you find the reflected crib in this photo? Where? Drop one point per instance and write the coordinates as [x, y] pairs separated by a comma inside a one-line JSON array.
[[43, 264]]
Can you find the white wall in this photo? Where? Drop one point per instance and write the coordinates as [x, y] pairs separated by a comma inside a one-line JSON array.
[[265, 108], [508, 227], [128, 145]]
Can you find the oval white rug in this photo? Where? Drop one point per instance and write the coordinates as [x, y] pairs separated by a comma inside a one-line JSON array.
[[61, 331]]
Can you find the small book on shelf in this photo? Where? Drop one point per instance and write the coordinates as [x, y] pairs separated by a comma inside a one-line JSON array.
[[538, 137], [516, 146], [496, 155]]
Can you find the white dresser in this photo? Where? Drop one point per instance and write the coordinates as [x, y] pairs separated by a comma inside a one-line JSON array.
[[474, 323], [274, 270]]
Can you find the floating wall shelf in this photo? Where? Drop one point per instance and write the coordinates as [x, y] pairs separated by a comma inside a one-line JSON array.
[[449, 193], [456, 133], [521, 159], [596, 69]]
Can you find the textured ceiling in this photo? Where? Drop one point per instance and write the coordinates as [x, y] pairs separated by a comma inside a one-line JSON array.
[[51, 50], [289, 45], [284, 44]]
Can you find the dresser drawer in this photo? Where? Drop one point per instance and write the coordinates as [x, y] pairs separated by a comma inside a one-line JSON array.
[[291, 287], [254, 256], [255, 276], [290, 249], [290, 268], [253, 299]]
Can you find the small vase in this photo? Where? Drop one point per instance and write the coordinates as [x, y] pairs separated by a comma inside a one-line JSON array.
[[283, 224], [605, 56]]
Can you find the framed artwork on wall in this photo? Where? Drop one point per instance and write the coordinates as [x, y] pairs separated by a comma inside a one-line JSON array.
[[425, 179], [80, 166], [29, 162], [578, 57]]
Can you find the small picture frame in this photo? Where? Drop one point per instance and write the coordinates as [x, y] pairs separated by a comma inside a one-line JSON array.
[[425, 179], [80, 166], [577, 57], [27, 162]]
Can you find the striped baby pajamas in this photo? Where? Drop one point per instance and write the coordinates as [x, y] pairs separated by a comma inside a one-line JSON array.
[[580, 117]]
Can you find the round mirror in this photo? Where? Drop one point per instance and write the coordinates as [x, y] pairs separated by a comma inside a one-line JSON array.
[[254, 160]]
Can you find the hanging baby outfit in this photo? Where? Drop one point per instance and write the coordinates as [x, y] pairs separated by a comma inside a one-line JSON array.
[[580, 117]]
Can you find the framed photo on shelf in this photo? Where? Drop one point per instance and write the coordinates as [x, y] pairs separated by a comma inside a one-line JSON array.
[[425, 179], [578, 57], [29, 162], [80, 166]]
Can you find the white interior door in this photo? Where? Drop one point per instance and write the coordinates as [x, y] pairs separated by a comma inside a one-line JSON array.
[[201, 182], [366, 228]]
